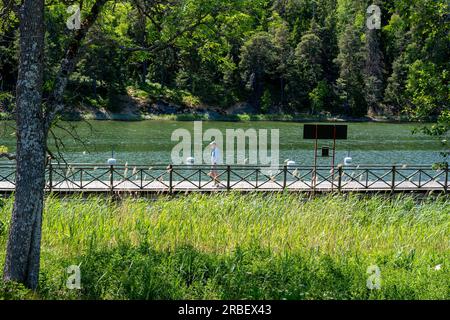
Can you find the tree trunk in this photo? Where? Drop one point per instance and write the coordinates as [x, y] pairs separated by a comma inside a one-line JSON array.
[[23, 250], [32, 127]]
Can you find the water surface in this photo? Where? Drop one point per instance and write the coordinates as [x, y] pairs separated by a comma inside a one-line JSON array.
[[149, 142]]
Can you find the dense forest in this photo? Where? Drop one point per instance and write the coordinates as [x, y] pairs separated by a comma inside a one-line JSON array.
[[277, 56]]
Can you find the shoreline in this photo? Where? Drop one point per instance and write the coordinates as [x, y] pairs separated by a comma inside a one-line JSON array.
[[217, 117], [227, 118]]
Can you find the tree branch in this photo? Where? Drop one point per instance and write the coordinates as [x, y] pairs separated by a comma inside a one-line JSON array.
[[55, 101], [161, 45]]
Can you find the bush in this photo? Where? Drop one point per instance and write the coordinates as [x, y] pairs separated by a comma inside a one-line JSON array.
[[266, 101], [14, 291], [7, 102]]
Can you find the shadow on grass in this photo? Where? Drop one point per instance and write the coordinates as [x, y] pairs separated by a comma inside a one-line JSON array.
[[186, 273], [140, 273]]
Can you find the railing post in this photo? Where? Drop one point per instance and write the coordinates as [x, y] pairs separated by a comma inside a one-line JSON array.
[[170, 179], [285, 177], [420, 178], [313, 179], [50, 175], [81, 178], [340, 178], [367, 178], [111, 178], [394, 169], [228, 177], [446, 178]]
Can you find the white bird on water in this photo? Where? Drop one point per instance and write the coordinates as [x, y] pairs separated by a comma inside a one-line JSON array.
[[289, 162]]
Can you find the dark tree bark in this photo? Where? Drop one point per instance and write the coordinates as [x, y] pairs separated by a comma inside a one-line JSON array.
[[32, 126], [23, 250]]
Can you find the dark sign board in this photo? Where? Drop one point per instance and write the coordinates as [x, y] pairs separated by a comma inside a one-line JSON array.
[[325, 131]]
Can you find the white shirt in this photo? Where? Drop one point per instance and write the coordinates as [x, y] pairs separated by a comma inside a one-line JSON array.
[[215, 154]]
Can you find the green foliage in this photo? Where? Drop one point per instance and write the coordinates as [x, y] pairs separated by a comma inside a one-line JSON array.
[[430, 96], [428, 89], [14, 291], [308, 56], [258, 63], [234, 246], [6, 101], [307, 71], [266, 101], [351, 78], [319, 96], [221, 52]]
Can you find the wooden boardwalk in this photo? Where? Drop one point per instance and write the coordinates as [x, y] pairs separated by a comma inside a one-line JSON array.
[[156, 187], [75, 178]]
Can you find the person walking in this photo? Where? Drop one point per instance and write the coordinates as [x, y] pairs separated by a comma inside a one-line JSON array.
[[215, 154]]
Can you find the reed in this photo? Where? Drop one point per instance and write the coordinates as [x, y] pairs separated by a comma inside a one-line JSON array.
[[234, 246]]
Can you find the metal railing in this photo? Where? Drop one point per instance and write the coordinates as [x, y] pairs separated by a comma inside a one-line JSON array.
[[90, 177]]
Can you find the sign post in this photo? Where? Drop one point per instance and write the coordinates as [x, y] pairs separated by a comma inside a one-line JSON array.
[[324, 132]]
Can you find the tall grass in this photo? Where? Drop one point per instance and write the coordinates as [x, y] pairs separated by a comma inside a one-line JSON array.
[[233, 246]]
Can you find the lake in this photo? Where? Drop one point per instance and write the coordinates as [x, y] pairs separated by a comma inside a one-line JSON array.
[[149, 142]]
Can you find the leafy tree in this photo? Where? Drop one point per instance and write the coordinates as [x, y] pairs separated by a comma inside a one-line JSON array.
[[351, 80], [207, 47], [373, 72], [319, 97], [266, 101], [430, 96], [258, 63], [306, 69], [280, 32]]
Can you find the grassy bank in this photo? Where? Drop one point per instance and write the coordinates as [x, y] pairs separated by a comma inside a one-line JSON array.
[[242, 247]]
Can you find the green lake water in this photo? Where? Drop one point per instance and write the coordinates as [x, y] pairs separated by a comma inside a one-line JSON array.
[[149, 142]]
